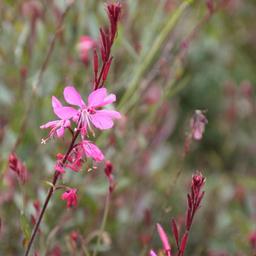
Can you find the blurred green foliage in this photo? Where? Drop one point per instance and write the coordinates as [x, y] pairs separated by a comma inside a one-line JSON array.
[[214, 72]]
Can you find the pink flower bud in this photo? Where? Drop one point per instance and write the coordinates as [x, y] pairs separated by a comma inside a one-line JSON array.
[[252, 239], [164, 239], [74, 236], [108, 172], [18, 167], [85, 44], [198, 180], [108, 168], [71, 197]]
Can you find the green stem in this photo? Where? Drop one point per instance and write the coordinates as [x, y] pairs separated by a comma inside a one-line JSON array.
[[103, 223], [146, 62]]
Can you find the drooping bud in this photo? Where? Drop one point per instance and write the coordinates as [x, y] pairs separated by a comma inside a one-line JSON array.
[[108, 171], [71, 197], [18, 167]]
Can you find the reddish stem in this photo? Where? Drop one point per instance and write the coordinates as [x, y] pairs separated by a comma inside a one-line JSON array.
[[50, 193]]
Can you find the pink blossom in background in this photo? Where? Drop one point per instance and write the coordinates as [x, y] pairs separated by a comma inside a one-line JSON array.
[[100, 118], [56, 251], [252, 240], [16, 165], [85, 44], [152, 95], [197, 124], [74, 236], [71, 197], [32, 9]]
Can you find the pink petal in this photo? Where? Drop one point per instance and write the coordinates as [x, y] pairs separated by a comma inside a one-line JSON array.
[[59, 168], [92, 151], [65, 112], [70, 196], [64, 196], [49, 124], [103, 119], [72, 96], [86, 42], [60, 132], [111, 113], [55, 103], [164, 239], [198, 132], [109, 99], [152, 253], [96, 98], [66, 123]]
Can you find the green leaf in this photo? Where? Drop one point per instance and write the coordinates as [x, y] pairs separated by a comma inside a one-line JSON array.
[[25, 227]]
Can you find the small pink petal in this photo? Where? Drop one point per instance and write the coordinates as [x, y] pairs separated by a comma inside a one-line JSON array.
[[111, 113], [109, 99], [65, 112], [49, 124], [152, 253], [72, 96], [59, 168], [96, 98], [92, 151], [198, 134], [55, 103], [66, 123], [60, 132]]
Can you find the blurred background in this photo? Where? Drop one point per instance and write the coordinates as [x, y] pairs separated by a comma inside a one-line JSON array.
[[171, 58]]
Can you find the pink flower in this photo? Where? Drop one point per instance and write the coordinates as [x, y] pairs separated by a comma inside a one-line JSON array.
[[71, 197], [164, 239], [92, 151], [101, 119], [85, 44], [197, 124], [59, 168], [58, 126], [252, 239]]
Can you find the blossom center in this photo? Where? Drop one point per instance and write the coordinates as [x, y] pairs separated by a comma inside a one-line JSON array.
[[91, 110]]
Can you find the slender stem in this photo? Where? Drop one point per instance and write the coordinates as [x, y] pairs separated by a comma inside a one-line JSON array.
[[84, 248], [50, 193], [104, 221]]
